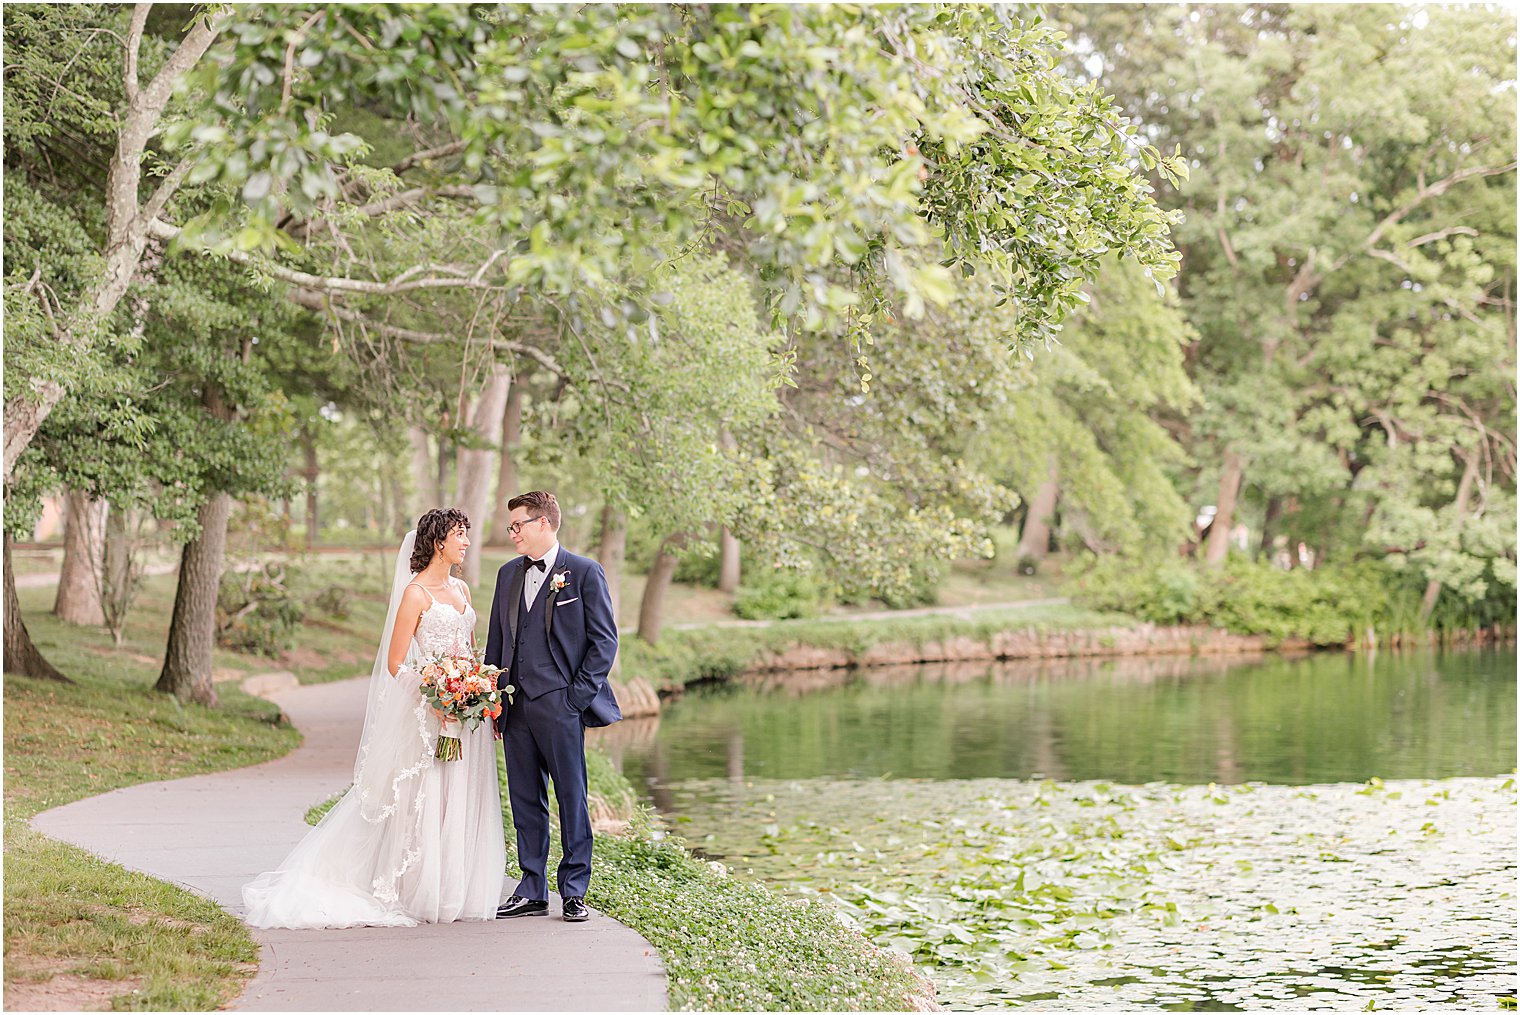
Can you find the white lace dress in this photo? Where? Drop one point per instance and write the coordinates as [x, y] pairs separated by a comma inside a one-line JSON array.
[[429, 849]]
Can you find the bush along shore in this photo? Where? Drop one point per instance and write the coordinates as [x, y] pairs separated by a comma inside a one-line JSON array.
[[1166, 610]]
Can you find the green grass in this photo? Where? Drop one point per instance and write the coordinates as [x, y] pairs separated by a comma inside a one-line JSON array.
[[133, 943], [734, 945]]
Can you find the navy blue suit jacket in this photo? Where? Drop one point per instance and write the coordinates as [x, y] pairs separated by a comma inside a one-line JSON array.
[[583, 637]]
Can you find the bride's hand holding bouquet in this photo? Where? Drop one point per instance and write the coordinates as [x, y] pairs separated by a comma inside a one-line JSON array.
[[462, 689]]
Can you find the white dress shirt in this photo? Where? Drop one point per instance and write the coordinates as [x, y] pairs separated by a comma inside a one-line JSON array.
[[533, 578]]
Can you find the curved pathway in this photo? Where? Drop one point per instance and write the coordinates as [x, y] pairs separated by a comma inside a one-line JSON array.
[[212, 833]]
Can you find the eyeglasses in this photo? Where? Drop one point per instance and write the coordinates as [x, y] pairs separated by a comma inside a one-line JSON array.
[[516, 527]]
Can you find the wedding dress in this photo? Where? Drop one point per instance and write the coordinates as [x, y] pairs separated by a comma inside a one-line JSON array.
[[414, 840]]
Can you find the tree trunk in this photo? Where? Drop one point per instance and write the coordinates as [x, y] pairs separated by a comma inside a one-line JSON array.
[[121, 570], [21, 656], [728, 545], [506, 476], [1034, 542], [398, 520], [192, 631], [1268, 527], [728, 562], [1464, 489], [1224, 515], [312, 471], [475, 464], [424, 475], [79, 580], [610, 555], [652, 609]]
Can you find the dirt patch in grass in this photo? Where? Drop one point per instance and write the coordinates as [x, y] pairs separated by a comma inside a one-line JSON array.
[[38, 984]]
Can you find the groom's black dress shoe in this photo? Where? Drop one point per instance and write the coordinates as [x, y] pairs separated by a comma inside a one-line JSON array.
[[575, 910], [519, 906]]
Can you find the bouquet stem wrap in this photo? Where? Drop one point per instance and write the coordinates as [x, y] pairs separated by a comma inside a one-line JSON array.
[[449, 746]]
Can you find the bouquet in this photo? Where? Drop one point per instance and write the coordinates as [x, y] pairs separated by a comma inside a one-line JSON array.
[[461, 688]]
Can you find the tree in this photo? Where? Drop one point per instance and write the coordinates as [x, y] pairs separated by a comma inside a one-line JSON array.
[[661, 120], [75, 316], [1090, 424], [217, 383], [865, 482], [1349, 239], [79, 577], [555, 160], [646, 405]]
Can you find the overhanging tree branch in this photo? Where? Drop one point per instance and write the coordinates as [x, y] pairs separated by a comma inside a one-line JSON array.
[[434, 276], [322, 304]]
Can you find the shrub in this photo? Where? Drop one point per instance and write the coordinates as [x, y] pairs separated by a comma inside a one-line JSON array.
[[780, 595], [1325, 606], [256, 611], [333, 601], [922, 588]]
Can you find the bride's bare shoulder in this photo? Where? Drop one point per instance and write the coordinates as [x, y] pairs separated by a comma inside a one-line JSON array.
[[413, 597]]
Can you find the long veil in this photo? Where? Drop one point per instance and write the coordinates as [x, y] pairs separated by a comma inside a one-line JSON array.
[[396, 744], [348, 869]]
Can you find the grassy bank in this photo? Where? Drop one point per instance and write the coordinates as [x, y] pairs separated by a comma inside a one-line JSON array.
[[729, 944], [719, 653], [80, 933], [734, 945]]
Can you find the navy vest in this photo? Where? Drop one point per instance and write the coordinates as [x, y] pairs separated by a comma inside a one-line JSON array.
[[533, 668]]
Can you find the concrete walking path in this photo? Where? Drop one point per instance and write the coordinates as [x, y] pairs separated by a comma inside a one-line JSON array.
[[213, 833]]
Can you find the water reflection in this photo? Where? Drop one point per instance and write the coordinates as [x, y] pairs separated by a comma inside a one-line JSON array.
[[1294, 720]]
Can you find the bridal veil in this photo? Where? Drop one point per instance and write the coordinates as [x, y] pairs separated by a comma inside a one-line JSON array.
[[348, 870]]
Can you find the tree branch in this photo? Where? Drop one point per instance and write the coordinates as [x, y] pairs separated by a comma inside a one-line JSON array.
[[442, 151], [187, 55], [322, 304], [290, 58], [414, 196], [443, 276], [1419, 241], [1424, 193], [134, 45], [166, 190]]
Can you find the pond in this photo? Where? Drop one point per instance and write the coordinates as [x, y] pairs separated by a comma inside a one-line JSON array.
[[1329, 831]]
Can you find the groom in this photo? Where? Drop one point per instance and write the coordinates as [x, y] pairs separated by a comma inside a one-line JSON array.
[[554, 637]]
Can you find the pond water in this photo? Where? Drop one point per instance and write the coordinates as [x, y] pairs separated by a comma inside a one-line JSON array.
[[1186, 834]]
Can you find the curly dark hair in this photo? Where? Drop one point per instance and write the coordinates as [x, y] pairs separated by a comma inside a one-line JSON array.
[[432, 529]]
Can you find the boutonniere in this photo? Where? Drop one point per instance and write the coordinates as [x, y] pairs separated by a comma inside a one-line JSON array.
[[559, 581]]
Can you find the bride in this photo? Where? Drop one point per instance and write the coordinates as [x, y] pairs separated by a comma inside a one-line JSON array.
[[414, 840]]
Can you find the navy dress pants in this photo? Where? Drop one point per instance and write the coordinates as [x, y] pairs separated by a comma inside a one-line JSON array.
[[545, 740]]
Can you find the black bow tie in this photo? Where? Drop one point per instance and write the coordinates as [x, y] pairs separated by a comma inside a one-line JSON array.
[[538, 564]]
